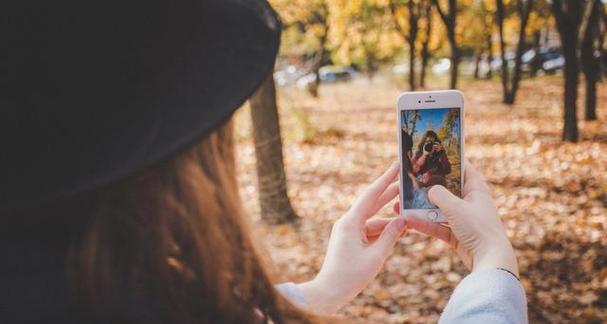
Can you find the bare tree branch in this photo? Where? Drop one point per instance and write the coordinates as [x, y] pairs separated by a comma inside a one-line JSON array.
[[441, 12]]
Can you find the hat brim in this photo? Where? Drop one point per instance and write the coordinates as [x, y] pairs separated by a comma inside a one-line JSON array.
[[97, 93]]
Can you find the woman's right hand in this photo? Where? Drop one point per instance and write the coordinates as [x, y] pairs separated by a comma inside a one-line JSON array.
[[476, 231]]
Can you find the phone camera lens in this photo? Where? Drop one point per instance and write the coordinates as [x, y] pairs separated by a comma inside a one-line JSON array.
[[419, 101]]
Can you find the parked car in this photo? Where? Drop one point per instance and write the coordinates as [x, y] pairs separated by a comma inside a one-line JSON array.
[[331, 73], [547, 59], [287, 75], [553, 65], [328, 74], [441, 66], [496, 64]]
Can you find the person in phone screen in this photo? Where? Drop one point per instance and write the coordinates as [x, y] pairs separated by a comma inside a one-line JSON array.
[[430, 162]]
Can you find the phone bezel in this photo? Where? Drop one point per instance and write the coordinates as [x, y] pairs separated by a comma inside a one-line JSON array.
[[420, 100]]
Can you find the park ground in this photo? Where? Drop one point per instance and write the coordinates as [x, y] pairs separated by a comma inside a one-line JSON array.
[[551, 196]]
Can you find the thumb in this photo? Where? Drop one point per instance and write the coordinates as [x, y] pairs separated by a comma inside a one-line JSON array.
[[445, 200], [391, 234]]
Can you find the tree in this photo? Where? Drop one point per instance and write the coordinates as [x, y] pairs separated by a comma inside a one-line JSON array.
[[319, 16], [449, 18], [590, 49], [510, 86], [603, 52], [361, 35], [410, 118], [306, 33], [445, 132], [479, 34], [273, 199], [413, 10], [540, 24], [425, 51], [568, 16], [415, 116], [489, 46]]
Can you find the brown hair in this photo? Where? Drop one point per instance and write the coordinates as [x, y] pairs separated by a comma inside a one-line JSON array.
[[170, 245], [422, 141]]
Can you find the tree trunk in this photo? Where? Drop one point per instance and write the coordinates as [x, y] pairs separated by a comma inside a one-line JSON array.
[[424, 65], [273, 199], [413, 9], [318, 61], [454, 57], [313, 86], [524, 9], [603, 44], [412, 66], [568, 23], [477, 63], [570, 130], [535, 63], [320, 58], [510, 87], [449, 19], [500, 15], [590, 104], [371, 67], [425, 52], [489, 74], [590, 62]]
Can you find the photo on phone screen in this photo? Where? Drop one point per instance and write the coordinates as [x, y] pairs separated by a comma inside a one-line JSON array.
[[431, 142]]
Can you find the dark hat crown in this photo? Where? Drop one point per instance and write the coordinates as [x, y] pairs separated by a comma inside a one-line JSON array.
[[93, 91]]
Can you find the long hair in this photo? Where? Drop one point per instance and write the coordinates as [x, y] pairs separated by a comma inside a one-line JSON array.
[[422, 141], [171, 245]]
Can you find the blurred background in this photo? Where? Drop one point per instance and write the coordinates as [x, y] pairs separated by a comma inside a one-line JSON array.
[[324, 125]]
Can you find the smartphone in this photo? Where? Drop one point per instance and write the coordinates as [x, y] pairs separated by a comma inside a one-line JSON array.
[[431, 148]]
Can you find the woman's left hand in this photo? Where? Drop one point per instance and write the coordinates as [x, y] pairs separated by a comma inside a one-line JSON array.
[[358, 247]]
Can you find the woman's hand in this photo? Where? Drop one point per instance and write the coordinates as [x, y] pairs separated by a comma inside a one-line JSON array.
[[475, 230], [358, 247]]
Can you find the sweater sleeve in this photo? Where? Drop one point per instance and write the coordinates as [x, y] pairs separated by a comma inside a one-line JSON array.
[[487, 296], [291, 292]]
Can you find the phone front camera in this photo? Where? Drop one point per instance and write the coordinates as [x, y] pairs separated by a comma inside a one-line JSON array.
[[419, 101]]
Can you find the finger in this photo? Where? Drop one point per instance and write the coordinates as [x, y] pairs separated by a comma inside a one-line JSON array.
[[445, 200], [432, 229], [473, 180], [390, 193], [372, 239], [380, 184], [375, 226], [396, 207], [367, 203], [390, 235]]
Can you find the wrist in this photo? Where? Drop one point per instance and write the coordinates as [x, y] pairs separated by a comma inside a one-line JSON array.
[[498, 256], [320, 297]]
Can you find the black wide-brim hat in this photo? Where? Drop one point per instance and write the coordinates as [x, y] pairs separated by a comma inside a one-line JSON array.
[[92, 91]]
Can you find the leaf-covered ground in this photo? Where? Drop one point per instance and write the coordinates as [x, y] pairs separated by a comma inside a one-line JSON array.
[[551, 196]]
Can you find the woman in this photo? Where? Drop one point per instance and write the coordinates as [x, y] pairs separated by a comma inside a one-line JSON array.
[[430, 162], [119, 202]]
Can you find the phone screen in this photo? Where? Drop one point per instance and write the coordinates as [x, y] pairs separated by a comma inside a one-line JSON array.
[[431, 154]]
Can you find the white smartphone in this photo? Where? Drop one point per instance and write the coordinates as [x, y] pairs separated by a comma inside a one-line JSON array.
[[431, 148]]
